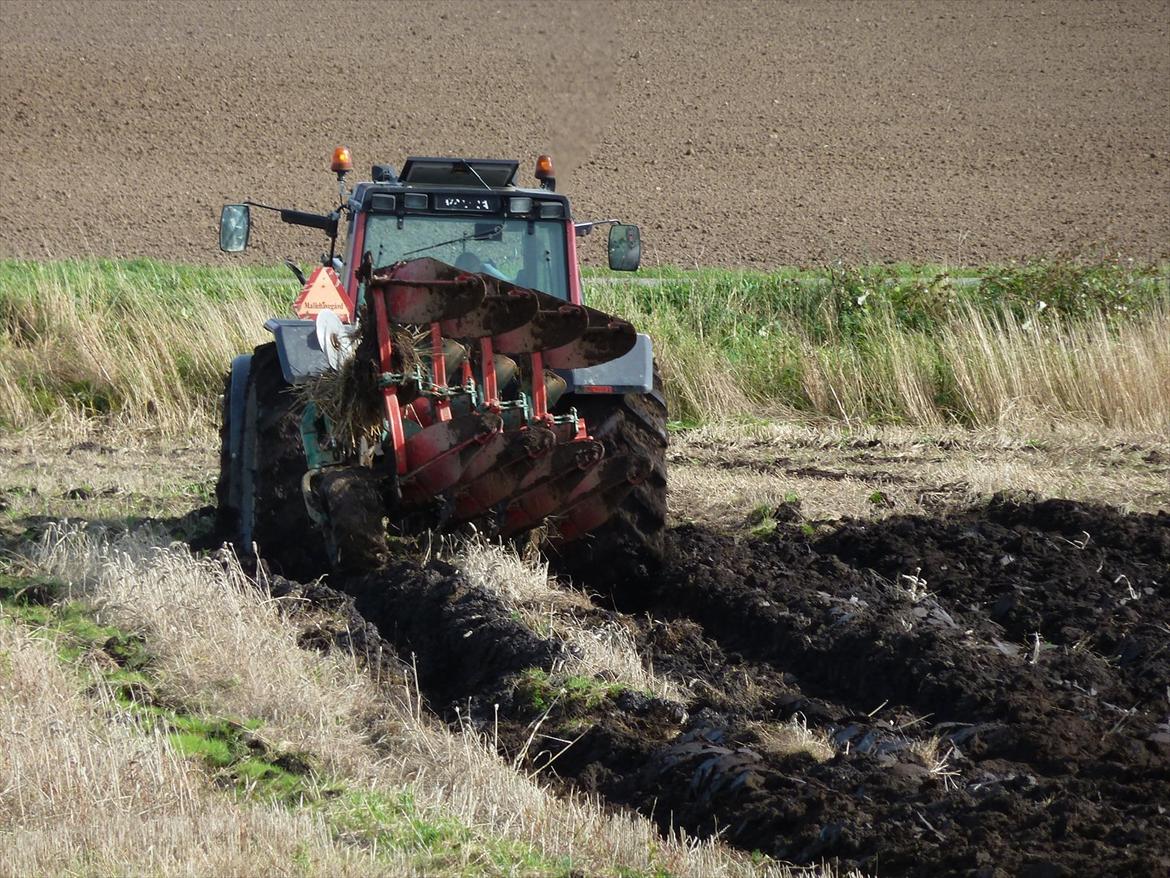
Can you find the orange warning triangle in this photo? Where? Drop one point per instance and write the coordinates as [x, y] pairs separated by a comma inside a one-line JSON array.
[[323, 292]]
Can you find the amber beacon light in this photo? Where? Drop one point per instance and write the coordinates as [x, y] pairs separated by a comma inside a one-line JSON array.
[[544, 173], [342, 163]]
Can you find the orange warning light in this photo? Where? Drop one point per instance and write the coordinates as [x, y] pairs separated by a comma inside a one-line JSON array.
[[342, 163], [544, 168]]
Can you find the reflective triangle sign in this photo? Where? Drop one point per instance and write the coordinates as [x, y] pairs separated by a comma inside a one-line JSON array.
[[323, 292]]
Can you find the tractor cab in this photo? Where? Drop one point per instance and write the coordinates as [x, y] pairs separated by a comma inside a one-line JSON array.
[[467, 213]]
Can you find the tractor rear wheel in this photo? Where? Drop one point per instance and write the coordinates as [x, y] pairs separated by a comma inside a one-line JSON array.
[[227, 487], [627, 550], [272, 513], [260, 493]]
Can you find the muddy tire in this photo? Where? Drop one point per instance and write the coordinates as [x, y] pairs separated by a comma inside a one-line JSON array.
[[227, 486], [626, 551], [272, 513], [356, 508]]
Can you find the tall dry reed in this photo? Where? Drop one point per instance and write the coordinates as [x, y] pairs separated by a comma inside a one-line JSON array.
[[148, 344], [133, 345]]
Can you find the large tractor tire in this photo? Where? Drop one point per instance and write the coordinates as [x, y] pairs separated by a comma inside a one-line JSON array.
[[227, 487], [260, 495], [266, 477], [624, 553]]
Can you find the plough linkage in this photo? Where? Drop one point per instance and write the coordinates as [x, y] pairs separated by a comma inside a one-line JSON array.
[[478, 430]]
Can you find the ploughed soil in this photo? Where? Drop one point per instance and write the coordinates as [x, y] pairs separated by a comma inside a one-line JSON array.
[[990, 687], [735, 133]]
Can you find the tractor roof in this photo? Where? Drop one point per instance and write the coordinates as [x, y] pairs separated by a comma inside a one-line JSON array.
[[496, 173], [458, 176]]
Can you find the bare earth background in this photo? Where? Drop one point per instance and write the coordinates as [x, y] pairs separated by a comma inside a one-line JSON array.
[[763, 134]]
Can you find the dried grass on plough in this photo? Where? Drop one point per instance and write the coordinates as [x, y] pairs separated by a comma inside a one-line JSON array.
[[348, 396]]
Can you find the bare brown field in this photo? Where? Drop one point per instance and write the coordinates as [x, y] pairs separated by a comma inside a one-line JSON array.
[[736, 134]]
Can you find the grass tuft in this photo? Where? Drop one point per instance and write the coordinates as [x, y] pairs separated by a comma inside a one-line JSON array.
[[572, 693]]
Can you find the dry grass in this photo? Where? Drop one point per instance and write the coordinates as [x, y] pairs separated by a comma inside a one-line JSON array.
[[792, 737], [937, 760], [993, 370], [84, 790], [720, 473], [101, 474], [221, 645], [348, 396], [132, 345], [1011, 373], [594, 648]]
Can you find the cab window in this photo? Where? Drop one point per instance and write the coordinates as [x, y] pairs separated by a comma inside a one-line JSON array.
[[528, 253]]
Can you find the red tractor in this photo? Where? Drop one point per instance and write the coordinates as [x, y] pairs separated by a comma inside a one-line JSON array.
[[444, 372]]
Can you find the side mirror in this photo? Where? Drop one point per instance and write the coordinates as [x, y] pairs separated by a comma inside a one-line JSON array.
[[235, 225], [625, 247]]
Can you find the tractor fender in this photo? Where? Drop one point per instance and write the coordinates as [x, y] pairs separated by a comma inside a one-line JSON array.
[[630, 373], [300, 355]]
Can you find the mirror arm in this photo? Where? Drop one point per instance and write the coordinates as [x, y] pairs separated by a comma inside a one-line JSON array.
[[583, 229], [327, 222]]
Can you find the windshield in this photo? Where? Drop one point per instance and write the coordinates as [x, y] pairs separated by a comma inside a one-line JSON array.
[[528, 253]]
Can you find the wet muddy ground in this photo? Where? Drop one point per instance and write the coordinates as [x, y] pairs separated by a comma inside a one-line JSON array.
[[944, 685], [987, 690]]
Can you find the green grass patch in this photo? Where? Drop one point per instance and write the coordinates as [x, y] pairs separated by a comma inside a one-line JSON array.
[[383, 821], [242, 761], [832, 299], [882, 344], [119, 283], [764, 518], [540, 692], [39, 603], [762, 521]]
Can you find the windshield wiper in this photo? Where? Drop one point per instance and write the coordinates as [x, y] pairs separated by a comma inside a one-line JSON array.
[[483, 235], [466, 164]]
